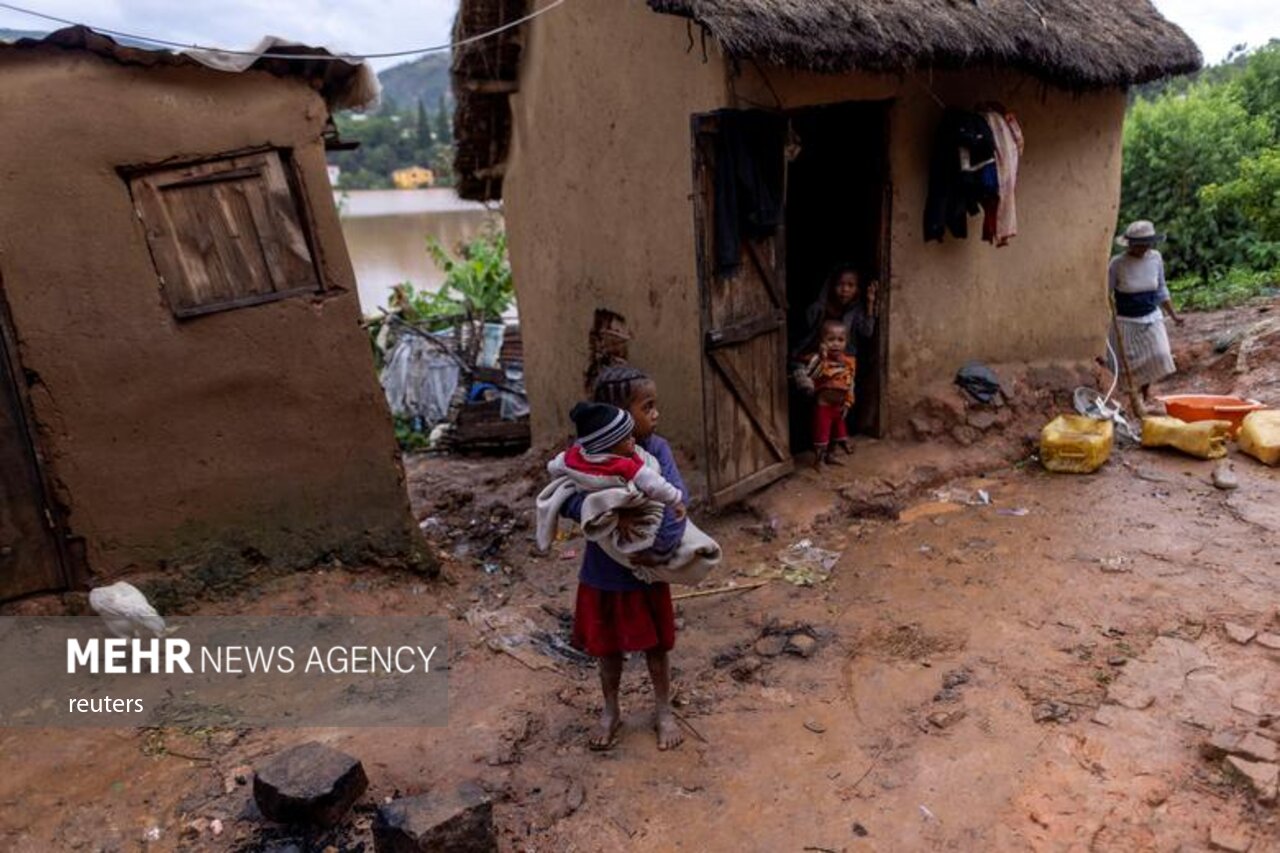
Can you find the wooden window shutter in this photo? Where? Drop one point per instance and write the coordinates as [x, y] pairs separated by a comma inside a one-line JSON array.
[[226, 233]]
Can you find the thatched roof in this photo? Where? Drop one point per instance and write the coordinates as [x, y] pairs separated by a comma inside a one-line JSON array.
[[343, 84], [1073, 43]]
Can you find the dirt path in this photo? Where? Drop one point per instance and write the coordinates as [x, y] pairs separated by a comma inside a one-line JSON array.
[[1095, 602]]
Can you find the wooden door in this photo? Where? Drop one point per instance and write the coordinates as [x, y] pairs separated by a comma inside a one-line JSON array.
[[29, 557], [744, 339]]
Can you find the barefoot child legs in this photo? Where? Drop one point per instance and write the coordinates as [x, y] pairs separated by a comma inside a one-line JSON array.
[[606, 730], [664, 718]]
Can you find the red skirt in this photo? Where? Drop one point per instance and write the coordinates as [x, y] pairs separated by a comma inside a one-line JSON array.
[[608, 623]]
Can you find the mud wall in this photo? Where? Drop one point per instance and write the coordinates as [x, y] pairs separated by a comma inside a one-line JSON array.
[[241, 437], [597, 203], [1042, 297]]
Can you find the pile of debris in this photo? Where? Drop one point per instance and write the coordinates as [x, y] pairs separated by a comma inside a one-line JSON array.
[[456, 390]]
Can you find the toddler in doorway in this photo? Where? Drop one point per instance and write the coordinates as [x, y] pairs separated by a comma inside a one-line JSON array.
[[832, 371]]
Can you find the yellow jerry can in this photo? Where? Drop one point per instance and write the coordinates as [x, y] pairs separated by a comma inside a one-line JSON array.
[[1205, 439], [1260, 436], [1075, 444]]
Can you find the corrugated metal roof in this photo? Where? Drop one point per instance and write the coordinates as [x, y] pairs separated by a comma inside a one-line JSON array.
[[343, 83]]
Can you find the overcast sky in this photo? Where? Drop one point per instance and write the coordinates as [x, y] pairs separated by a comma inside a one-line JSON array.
[[360, 26]]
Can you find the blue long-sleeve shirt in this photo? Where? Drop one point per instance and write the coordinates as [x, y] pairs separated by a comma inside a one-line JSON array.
[[602, 571]]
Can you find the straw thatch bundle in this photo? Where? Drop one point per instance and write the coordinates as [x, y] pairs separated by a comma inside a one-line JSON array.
[[484, 73], [1072, 43]]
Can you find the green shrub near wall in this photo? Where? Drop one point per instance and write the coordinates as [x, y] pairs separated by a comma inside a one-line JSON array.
[[1202, 160]]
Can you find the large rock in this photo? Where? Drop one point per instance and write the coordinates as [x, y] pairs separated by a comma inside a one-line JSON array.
[[308, 784], [457, 821], [1248, 745], [1261, 776]]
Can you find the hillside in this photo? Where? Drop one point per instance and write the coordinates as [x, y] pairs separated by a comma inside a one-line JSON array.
[[426, 79], [14, 35]]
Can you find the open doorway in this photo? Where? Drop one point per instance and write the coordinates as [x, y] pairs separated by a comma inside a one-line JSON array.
[[837, 187]]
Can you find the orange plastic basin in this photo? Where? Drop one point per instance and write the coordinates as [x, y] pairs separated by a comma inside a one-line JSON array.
[[1209, 407]]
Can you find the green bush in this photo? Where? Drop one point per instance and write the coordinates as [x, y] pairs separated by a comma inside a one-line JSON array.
[[1202, 160], [1232, 287], [1174, 147]]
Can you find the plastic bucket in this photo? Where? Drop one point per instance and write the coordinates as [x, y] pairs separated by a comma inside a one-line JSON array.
[[491, 344]]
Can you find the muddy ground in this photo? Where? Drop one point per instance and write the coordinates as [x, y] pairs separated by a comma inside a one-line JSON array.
[[1036, 672]]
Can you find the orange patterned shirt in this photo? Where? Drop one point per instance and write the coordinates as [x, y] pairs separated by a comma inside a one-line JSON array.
[[834, 373]]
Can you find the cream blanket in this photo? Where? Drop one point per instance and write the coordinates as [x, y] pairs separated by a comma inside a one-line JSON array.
[[605, 498]]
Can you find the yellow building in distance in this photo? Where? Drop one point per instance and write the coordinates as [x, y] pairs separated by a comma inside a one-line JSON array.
[[412, 178]]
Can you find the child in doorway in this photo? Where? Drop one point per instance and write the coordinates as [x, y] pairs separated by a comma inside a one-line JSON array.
[[605, 456], [616, 612], [831, 370]]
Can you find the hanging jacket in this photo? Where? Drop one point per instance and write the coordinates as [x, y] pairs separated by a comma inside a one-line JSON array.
[[962, 174], [748, 192]]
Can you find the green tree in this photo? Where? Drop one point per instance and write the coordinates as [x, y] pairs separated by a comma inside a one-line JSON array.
[[1175, 146], [444, 123], [1255, 193], [1260, 86], [422, 127]]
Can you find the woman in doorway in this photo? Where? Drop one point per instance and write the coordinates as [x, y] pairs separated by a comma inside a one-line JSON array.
[[1136, 281], [842, 298]]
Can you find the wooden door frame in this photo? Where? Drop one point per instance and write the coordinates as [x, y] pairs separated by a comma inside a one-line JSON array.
[[10, 360], [885, 264]]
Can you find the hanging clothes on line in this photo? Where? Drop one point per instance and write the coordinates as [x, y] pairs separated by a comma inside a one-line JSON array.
[[1001, 220], [962, 174], [748, 192]]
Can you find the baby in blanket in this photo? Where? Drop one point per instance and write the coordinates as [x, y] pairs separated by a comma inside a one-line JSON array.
[[605, 456]]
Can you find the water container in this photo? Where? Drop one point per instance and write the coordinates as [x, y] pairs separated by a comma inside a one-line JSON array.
[[491, 344], [1209, 407], [1075, 444], [1260, 436]]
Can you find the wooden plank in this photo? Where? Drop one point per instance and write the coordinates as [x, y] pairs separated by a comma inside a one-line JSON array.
[[297, 264], [242, 302], [753, 483], [741, 391], [701, 162], [207, 177], [738, 333], [491, 87], [767, 274]]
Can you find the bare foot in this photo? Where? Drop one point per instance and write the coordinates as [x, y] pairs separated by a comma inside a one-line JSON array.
[[832, 459], [605, 735], [668, 729], [848, 448]]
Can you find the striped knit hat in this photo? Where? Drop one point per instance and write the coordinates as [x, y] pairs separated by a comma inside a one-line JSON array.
[[601, 426]]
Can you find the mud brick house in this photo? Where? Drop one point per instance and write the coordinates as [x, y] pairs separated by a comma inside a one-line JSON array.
[[183, 378], [601, 124]]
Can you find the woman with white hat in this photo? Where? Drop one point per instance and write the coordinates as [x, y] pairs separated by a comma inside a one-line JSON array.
[[1136, 279]]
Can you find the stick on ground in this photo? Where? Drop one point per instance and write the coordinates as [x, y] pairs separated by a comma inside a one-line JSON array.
[[718, 590]]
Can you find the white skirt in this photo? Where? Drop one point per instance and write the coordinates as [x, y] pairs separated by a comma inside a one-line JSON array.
[[1146, 347]]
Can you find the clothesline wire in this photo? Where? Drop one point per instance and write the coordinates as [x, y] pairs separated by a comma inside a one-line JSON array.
[[344, 57]]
